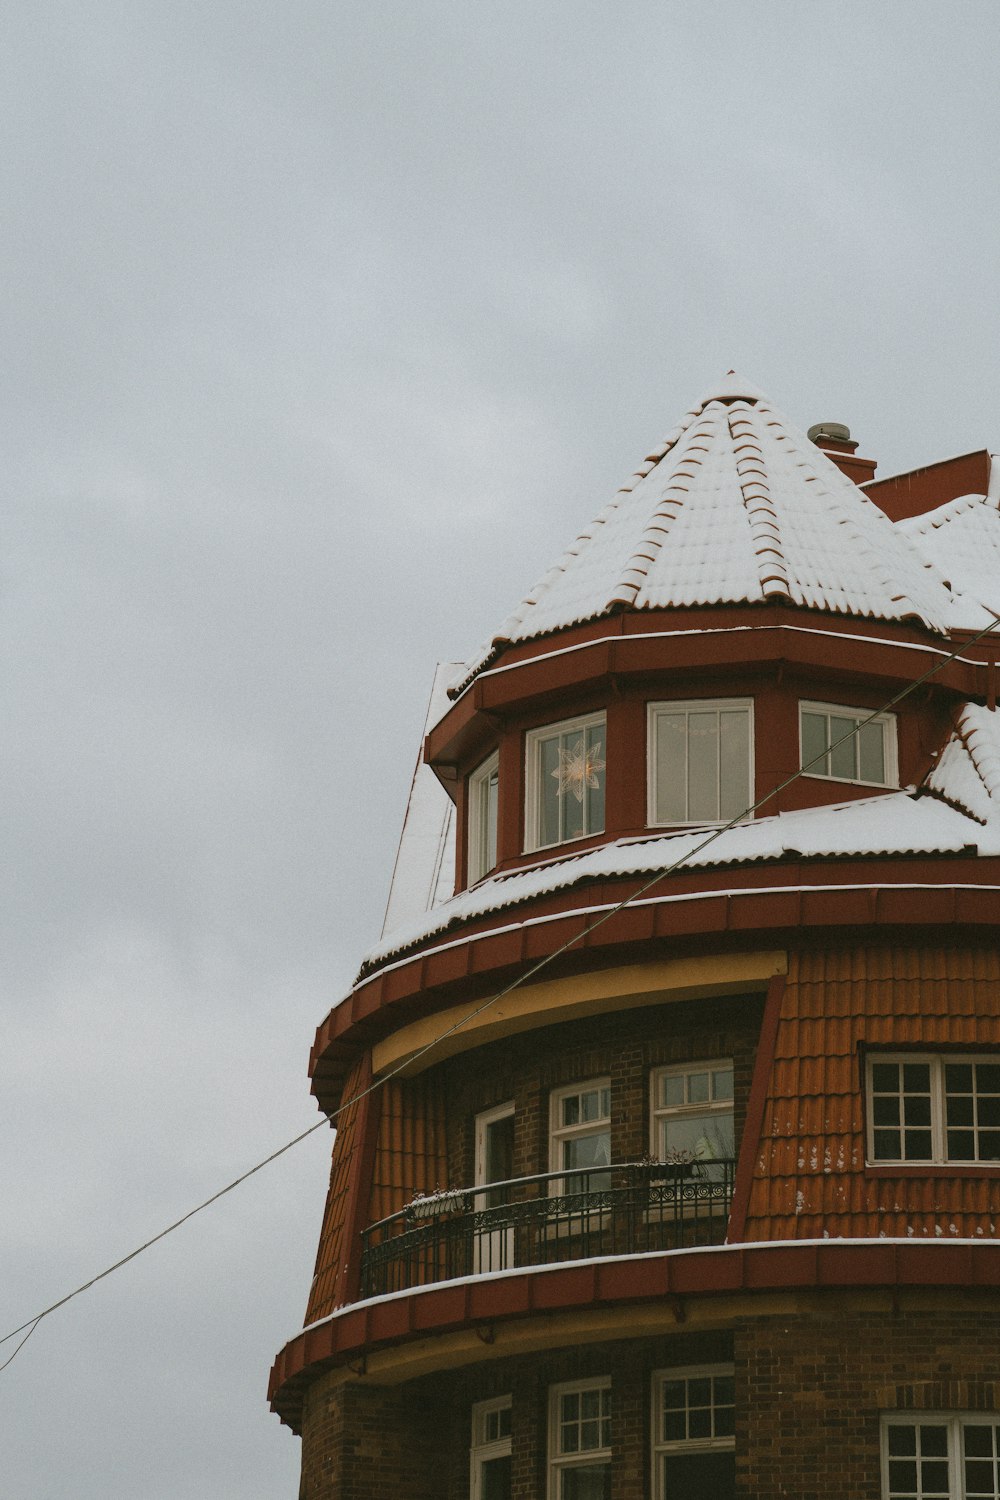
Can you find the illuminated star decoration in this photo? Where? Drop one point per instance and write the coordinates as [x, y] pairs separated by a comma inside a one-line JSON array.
[[578, 769]]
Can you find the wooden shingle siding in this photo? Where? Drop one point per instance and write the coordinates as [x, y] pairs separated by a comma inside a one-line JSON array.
[[411, 1155], [326, 1291], [809, 1175]]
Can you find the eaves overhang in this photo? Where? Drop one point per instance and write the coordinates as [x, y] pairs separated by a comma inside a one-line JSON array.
[[749, 640], [790, 903], [670, 1282]]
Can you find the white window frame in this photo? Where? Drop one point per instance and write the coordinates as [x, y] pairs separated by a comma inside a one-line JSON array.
[[937, 1062], [532, 777], [559, 1133], [688, 706], [663, 1447], [480, 863], [889, 745], [482, 1448], [955, 1424], [559, 1462], [709, 1109]]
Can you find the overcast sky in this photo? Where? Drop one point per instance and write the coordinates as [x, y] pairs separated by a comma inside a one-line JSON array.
[[325, 327]]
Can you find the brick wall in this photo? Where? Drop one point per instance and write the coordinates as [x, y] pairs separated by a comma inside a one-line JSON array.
[[810, 1389], [624, 1046], [367, 1442]]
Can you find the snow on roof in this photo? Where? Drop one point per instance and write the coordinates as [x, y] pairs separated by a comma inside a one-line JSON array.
[[735, 506], [961, 540], [898, 823], [967, 774], [424, 873]]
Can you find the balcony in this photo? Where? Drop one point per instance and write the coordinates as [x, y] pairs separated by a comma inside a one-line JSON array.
[[554, 1216]]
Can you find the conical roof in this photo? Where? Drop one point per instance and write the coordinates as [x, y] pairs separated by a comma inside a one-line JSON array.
[[735, 506]]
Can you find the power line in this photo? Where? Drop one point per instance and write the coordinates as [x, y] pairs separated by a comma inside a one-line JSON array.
[[32, 1323]]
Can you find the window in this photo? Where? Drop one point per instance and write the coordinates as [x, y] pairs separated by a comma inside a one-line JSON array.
[[701, 761], [581, 1135], [564, 791], [868, 757], [923, 1108], [483, 818], [693, 1434], [693, 1113], [490, 1451], [941, 1457], [580, 1441]]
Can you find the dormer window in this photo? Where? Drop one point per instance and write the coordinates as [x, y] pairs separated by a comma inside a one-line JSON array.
[[837, 744], [564, 782], [701, 760], [483, 787]]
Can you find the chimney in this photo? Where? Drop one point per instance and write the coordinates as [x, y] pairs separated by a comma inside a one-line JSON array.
[[834, 439]]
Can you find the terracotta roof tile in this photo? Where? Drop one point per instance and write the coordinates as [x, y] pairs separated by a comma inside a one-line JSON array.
[[809, 1172]]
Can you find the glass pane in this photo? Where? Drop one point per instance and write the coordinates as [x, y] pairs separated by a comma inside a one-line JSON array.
[[698, 1088], [722, 1084], [960, 1109], [734, 769], [933, 1440], [548, 791], [885, 1110], [989, 1145], [707, 1137], [886, 1145], [843, 757], [814, 739], [902, 1440], [934, 1477], [917, 1078], [988, 1078], [961, 1145], [590, 1102], [671, 768], [977, 1440], [918, 1145], [672, 1088], [495, 1479], [572, 782], [885, 1078], [703, 767], [700, 1422], [699, 1476], [586, 1482], [595, 773], [917, 1110], [571, 1109], [902, 1477], [871, 746], [499, 1165], [588, 1150], [958, 1078], [489, 840]]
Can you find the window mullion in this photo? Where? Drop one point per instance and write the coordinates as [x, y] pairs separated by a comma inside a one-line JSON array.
[[938, 1130]]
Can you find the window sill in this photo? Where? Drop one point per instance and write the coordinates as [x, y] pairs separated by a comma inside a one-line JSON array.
[[932, 1169], [869, 786]]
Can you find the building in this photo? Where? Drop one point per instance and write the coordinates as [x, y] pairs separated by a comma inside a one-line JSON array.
[[709, 1205]]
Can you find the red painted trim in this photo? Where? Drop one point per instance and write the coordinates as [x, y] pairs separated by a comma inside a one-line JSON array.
[[709, 912], [750, 1144], [445, 1308], [904, 1172]]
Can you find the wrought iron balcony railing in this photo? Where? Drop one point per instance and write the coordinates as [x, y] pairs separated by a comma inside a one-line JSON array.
[[554, 1216]]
